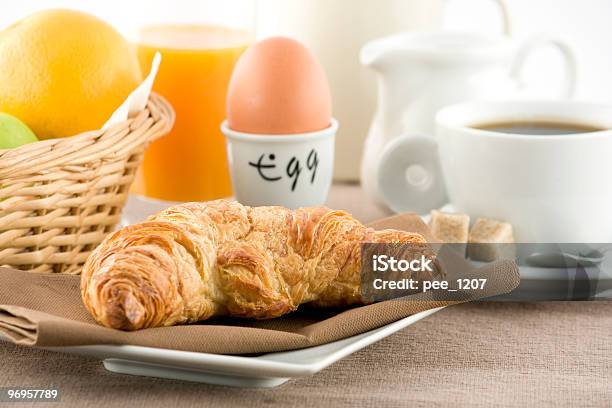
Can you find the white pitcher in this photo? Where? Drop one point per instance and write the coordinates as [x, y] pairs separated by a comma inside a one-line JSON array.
[[420, 73]]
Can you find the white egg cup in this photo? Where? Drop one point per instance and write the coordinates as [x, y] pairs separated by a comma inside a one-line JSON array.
[[292, 171]]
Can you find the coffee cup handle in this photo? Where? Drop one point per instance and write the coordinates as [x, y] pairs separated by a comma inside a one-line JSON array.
[[409, 175], [568, 55]]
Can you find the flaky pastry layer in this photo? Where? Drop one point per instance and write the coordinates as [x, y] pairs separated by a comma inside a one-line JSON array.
[[198, 260]]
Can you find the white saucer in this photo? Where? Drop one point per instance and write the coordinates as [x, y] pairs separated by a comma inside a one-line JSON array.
[[558, 283]]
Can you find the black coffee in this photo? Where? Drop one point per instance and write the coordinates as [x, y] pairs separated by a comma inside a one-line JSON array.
[[537, 128]]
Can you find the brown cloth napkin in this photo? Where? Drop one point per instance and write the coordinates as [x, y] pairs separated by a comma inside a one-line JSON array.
[[45, 310]]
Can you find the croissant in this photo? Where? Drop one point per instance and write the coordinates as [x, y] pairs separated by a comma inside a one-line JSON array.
[[198, 260]]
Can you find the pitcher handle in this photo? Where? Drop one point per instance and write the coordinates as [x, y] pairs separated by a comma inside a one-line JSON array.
[[409, 175], [568, 55], [504, 14]]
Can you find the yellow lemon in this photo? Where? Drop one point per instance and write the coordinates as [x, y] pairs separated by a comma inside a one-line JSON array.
[[63, 72]]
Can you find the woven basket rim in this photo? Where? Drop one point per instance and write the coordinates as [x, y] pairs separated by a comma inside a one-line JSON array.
[[49, 143], [60, 197]]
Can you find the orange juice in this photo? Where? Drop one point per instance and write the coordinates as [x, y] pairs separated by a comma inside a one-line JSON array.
[[190, 163]]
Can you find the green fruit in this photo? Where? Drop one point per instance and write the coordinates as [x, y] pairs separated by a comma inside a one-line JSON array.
[[14, 133]]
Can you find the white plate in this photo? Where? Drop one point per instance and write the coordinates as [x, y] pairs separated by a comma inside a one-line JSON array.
[[267, 370]]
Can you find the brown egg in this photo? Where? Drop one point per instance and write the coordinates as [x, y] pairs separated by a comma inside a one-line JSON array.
[[278, 87]]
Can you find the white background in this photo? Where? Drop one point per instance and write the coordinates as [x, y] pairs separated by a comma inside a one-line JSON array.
[[585, 24]]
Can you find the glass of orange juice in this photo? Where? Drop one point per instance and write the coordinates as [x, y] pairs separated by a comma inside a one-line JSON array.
[[190, 163]]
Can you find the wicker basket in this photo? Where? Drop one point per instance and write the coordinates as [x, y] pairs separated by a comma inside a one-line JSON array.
[[59, 198]]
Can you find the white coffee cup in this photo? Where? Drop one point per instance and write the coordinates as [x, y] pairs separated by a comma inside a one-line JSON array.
[[552, 188], [421, 73], [292, 170]]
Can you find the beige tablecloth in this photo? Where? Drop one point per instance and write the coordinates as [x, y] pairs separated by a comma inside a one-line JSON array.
[[485, 354]]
